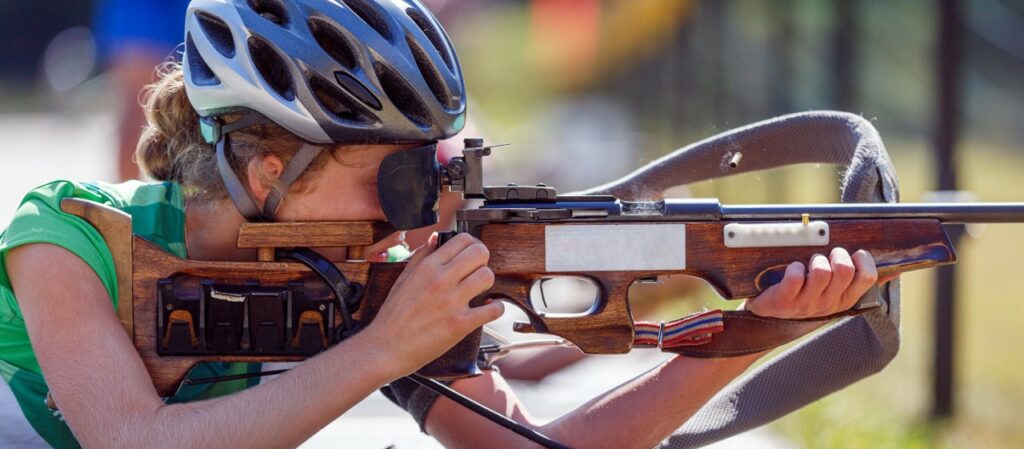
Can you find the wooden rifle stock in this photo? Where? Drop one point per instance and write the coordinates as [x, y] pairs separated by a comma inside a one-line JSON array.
[[141, 265], [518, 261], [518, 254]]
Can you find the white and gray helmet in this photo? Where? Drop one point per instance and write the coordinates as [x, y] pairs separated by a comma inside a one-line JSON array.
[[329, 71]]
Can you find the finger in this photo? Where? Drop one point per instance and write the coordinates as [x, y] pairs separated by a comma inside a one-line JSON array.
[[469, 260], [867, 276], [779, 295], [481, 315], [819, 273], [842, 275], [425, 250], [477, 282], [453, 247]]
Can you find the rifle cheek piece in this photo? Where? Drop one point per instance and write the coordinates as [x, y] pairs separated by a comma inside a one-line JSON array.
[[409, 186]]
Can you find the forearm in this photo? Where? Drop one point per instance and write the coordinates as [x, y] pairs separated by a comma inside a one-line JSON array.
[[651, 406], [281, 413]]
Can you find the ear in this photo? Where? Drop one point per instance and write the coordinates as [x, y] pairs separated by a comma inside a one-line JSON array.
[[259, 170]]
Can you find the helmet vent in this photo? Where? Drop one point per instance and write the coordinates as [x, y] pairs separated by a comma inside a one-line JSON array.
[[271, 10], [433, 34], [333, 42], [402, 96], [357, 89], [271, 67], [218, 33], [429, 71], [335, 102], [199, 73], [371, 16]]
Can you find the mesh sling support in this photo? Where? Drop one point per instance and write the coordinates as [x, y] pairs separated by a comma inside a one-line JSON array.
[[844, 352]]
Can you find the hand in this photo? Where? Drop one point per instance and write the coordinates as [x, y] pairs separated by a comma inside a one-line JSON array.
[[831, 285], [427, 311]]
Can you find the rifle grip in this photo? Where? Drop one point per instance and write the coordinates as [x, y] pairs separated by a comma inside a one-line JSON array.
[[460, 361]]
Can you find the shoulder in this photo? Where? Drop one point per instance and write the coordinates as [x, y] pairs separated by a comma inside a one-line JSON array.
[[155, 208], [147, 203], [121, 196]]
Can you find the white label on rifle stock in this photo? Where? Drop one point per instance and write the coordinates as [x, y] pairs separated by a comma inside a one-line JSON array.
[[768, 235], [620, 247]]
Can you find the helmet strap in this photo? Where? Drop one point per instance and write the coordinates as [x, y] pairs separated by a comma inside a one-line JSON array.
[[215, 132], [238, 193], [292, 171]]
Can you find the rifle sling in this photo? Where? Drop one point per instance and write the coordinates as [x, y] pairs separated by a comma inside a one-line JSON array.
[[718, 334]]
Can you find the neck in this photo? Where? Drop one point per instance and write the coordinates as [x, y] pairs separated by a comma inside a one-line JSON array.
[[211, 231]]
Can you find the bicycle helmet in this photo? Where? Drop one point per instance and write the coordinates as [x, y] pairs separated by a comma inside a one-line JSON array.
[[329, 71]]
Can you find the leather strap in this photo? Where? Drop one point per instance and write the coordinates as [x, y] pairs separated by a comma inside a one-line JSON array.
[[746, 333], [718, 334]]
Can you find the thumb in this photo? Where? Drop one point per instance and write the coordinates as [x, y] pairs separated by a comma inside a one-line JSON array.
[[786, 290], [425, 250]]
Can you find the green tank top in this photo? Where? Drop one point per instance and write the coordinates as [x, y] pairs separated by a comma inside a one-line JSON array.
[[158, 215]]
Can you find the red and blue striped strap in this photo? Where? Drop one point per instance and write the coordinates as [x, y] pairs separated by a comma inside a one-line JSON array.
[[691, 330]]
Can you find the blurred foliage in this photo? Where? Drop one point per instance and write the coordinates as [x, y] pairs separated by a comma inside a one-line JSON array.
[[587, 90]]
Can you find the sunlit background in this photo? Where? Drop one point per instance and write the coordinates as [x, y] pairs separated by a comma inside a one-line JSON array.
[[587, 90]]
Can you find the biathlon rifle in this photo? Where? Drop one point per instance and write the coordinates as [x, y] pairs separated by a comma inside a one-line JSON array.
[[291, 303], [286, 306]]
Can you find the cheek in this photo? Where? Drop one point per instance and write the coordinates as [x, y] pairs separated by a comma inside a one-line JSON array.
[[364, 201], [361, 202], [343, 201]]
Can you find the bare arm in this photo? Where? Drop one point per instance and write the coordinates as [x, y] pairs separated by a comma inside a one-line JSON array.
[[105, 394]]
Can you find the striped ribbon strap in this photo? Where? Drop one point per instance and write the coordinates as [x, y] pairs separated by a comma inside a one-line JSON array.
[[691, 330]]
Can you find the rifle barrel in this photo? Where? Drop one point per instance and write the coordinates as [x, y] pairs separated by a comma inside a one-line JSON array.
[[705, 209], [952, 213]]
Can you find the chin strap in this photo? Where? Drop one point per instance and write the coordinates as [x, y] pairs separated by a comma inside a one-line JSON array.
[[239, 195], [217, 133]]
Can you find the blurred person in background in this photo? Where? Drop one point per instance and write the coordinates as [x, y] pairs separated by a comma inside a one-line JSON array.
[[229, 146], [133, 37]]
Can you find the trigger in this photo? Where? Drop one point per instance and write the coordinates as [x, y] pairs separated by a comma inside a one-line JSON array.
[[520, 326]]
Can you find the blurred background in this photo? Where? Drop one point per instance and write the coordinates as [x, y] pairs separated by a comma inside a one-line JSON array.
[[587, 90]]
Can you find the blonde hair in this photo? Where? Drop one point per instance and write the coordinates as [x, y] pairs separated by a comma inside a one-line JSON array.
[[172, 148]]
